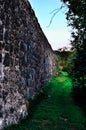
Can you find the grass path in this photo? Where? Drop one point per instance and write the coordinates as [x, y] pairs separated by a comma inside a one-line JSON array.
[[57, 110]]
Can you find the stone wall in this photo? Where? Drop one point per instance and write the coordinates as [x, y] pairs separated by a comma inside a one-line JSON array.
[[27, 61]]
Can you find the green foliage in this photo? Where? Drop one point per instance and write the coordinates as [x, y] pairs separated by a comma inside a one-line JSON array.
[[56, 111], [65, 59], [76, 17], [69, 63]]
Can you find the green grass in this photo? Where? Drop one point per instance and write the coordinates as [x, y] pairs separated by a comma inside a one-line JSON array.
[[57, 110]]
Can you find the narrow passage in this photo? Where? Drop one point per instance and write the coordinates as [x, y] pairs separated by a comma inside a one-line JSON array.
[[57, 110]]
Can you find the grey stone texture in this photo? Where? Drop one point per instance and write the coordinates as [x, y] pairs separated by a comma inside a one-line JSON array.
[[27, 61]]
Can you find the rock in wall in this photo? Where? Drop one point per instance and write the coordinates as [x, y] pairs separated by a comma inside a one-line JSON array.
[[27, 61]]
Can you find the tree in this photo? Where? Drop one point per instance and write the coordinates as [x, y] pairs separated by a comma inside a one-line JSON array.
[[65, 57], [76, 17]]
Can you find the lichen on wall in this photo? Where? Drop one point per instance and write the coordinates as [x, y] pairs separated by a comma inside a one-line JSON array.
[[27, 61]]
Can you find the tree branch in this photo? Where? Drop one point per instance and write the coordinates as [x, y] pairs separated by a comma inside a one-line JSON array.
[[54, 14]]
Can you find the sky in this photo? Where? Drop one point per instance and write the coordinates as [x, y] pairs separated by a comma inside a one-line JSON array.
[[58, 34]]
